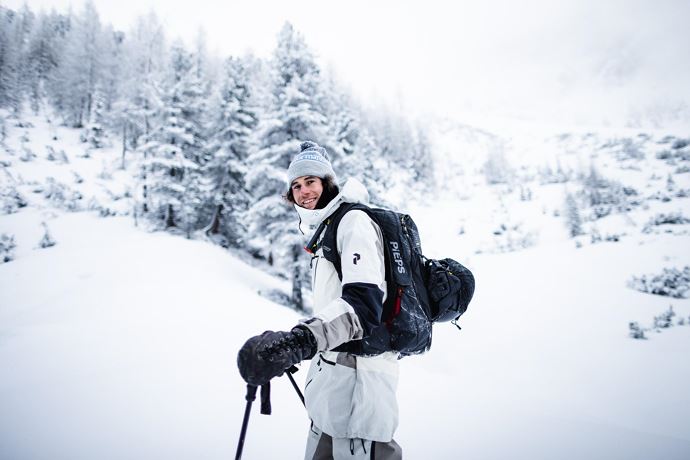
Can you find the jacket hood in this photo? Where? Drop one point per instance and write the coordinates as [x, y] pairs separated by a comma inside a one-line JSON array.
[[353, 191]]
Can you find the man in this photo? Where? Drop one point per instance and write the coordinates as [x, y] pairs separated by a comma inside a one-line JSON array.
[[349, 392]]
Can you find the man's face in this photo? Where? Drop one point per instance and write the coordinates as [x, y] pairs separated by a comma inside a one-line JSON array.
[[306, 191]]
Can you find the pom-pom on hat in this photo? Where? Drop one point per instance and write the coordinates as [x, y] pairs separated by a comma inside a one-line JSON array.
[[312, 160]]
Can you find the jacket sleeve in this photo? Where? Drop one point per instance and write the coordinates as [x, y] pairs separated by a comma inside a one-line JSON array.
[[359, 309]]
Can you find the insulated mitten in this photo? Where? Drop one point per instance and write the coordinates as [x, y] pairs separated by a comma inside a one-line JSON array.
[[268, 355]]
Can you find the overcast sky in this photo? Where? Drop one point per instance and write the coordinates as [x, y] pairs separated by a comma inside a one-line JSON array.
[[591, 61]]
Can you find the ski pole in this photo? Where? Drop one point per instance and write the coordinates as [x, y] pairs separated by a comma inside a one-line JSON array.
[[289, 373], [251, 395]]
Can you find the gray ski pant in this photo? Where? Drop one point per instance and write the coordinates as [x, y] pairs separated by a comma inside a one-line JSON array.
[[321, 446]]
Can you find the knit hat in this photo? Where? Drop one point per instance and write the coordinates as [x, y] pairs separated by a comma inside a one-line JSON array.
[[312, 160]]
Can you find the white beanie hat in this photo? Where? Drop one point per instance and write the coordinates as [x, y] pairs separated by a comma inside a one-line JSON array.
[[312, 160]]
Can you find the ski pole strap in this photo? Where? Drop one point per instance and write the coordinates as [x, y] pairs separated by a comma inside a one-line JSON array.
[[265, 398]]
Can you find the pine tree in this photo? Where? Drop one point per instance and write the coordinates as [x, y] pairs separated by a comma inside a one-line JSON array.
[[7, 247], [356, 152], [296, 113], [80, 69], [572, 215], [44, 49], [176, 151], [231, 132], [15, 28]]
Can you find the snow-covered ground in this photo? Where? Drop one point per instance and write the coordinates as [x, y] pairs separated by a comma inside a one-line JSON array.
[[119, 343]]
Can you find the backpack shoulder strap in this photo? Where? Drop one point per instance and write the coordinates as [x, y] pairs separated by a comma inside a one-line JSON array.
[[326, 235]]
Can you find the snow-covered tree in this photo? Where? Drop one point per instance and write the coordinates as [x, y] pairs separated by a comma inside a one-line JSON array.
[[496, 168], [43, 54], [143, 60], [296, 113], [636, 332], [356, 148], [80, 71], [7, 247], [15, 28], [230, 141], [176, 147], [572, 216], [47, 239]]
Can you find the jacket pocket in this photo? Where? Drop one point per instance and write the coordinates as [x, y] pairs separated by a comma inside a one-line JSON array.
[[328, 396]]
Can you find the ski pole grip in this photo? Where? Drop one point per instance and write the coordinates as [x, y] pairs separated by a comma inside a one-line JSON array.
[[251, 393]]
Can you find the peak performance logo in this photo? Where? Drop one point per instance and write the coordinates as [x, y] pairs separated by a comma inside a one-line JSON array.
[[397, 257], [356, 258]]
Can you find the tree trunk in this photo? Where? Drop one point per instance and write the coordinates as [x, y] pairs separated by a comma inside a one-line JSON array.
[[124, 143], [169, 217], [214, 227], [297, 300]]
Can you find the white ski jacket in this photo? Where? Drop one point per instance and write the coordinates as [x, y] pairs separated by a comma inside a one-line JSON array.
[[349, 396]]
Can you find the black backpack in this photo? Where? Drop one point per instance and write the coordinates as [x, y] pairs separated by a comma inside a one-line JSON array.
[[421, 291]]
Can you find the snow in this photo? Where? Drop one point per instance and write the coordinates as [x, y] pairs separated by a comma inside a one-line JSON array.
[[121, 343]]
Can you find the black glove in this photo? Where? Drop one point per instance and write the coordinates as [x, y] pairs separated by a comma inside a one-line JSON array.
[[268, 355]]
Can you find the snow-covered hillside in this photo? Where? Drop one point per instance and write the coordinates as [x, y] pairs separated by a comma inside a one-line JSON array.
[[119, 343]]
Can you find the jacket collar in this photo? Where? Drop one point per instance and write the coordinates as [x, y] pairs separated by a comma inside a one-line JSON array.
[[353, 191]]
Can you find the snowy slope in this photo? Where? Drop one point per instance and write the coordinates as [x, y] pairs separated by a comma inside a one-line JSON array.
[[118, 343]]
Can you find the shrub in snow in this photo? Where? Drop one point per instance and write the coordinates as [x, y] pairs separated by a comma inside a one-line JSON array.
[[94, 135], [671, 282], [103, 211], [549, 176], [47, 240], [665, 219], [7, 247], [664, 155], [604, 196], [672, 218], [609, 237], [11, 200], [664, 320], [60, 195], [682, 169], [105, 172], [636, 332], [664, 198], [629, 150], [277, 296], [509, 238], [680, 144], [670, 183], [52, 155], [683, 155], [681, 321], [573, 220], [496, 169], [678, 153], [27, 154]]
